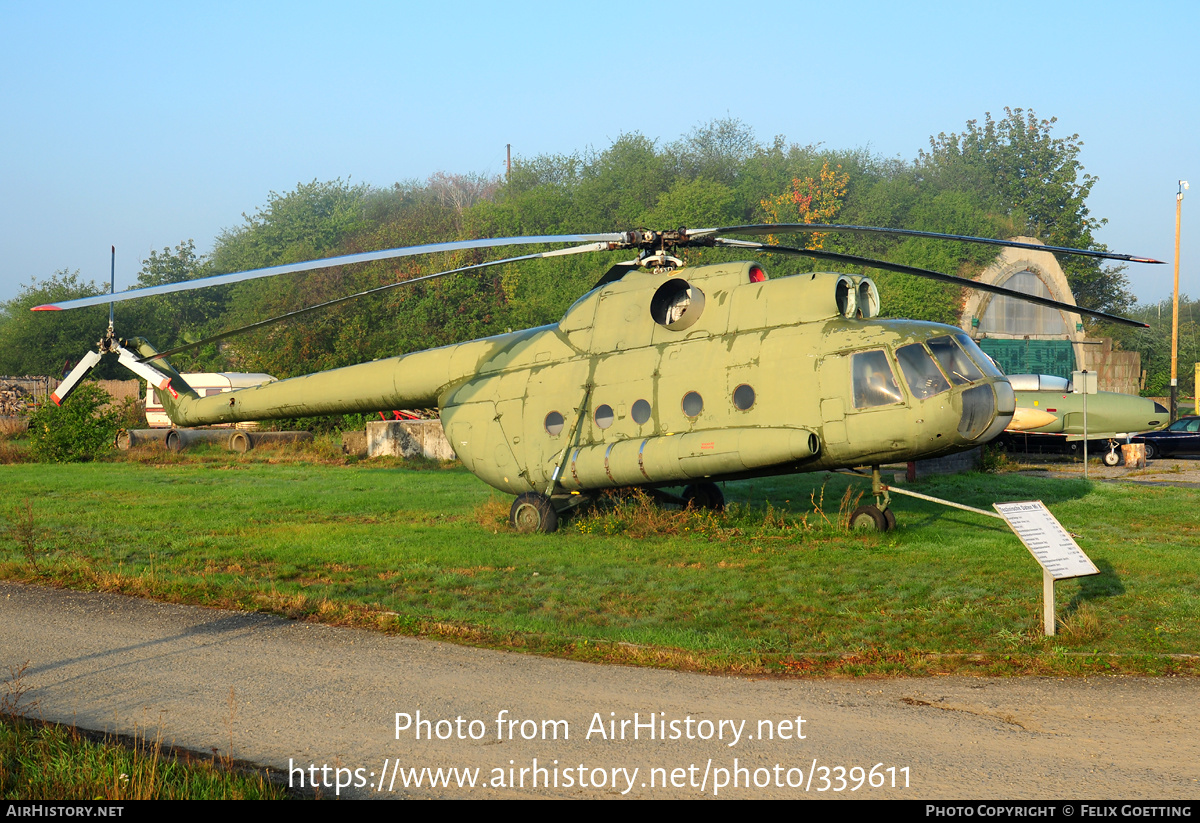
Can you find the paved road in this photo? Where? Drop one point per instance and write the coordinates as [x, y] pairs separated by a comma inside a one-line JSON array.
[[1181, 472], [308, 694]]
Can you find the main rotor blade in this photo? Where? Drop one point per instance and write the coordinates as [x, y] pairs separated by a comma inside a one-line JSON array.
[[788, 228], [233, 332], [328, 262], [853, 260]]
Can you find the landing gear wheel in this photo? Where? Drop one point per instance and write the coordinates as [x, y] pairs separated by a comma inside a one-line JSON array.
[[890, 516], [868, 518], [1151, 452], [533, 512], [1113, 458], [704, 496]]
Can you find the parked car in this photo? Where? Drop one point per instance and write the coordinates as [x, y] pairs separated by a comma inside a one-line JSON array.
[[1181, 437]]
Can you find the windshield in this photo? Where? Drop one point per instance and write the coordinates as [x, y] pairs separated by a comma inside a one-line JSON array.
[[920, 372], [980, 359], [954, 361]]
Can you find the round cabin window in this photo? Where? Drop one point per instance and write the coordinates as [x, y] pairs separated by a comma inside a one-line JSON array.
[[554, 424], [743, 397], [640, 411], [693, 404], [604, 416]]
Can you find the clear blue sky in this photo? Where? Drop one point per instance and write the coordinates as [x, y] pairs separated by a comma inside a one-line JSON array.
[[142, 125]]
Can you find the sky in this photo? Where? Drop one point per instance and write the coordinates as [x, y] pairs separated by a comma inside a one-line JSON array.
[[142, 125]]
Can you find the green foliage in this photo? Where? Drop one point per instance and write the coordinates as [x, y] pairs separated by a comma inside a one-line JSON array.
[[699, 202], [42, 761], [998, 178], [300, 225], [176, 319], [82, 428], [51, 342], [1021, 171], [1154, 345], [716, 151]]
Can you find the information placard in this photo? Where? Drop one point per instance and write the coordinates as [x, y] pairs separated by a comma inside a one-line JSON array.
[[1046, 539]]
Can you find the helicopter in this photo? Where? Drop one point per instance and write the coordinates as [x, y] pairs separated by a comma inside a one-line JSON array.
[[660, 376]]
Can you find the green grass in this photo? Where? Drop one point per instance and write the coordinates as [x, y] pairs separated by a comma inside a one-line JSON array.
[[773, 586], [49, 761]]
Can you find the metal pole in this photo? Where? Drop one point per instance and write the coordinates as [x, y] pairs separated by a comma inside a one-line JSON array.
[[1175, 310], [1048, 621], [1085, 391]]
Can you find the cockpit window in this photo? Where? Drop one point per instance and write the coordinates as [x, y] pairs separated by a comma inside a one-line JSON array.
[[874, 382], [954, 362], [976, 354], [924, 379]]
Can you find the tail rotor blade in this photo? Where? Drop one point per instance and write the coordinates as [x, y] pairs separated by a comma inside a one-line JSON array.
[[69, 383]]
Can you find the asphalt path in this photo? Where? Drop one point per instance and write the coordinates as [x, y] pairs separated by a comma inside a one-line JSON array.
[[293, 695]]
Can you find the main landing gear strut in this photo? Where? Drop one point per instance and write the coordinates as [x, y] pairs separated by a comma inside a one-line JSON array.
[[533, 512]]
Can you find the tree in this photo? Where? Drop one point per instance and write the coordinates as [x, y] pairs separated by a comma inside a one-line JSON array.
[[174, 319], [620, 184], [809, 200], [313, 221], [716, 151], [1154, 345], [1036, 179], [51, 342], [694, 203], [462, 191], [293, 227]]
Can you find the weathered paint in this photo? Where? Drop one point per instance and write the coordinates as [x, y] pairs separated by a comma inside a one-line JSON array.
[[788, 339]]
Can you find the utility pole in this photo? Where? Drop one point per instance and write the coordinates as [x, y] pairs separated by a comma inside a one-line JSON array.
[[1183, 184], [508, 167]]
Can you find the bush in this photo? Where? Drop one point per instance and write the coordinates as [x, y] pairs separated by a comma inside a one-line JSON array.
[[83, 427]]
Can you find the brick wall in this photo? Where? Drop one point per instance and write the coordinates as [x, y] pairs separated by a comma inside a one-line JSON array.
[[1119, 371]]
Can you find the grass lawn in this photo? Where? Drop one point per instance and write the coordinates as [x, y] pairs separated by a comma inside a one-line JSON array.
[[50, 762], [776, 585]]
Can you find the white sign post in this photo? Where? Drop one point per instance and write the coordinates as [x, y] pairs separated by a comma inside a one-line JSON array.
[[1051, 545], [1084, 382]]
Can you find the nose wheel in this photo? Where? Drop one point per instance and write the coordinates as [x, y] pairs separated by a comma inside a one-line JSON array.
[[872, 519], [878, 517]]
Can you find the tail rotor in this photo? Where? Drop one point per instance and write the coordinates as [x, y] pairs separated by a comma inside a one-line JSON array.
[[110, 344]]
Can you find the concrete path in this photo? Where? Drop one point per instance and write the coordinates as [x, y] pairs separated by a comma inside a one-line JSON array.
[[285, 693]]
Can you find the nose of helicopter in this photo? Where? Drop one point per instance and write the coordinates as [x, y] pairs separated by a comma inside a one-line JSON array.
[[986, 411]]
